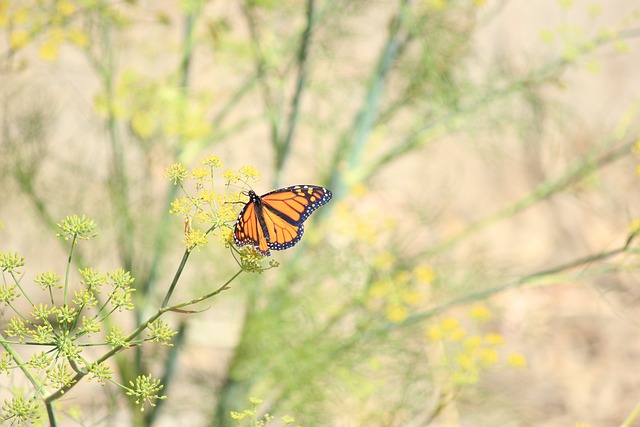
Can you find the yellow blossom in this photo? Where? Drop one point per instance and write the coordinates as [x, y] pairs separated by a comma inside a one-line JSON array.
[[200, 173], [18, 39], [517, 360], [78, 37], [488, 356], [397, 313], [231, 176], [195, 238], [213, 161], [48, 50], [176, 173], [249, 173], [494, 339], [384, 260], [449, 323], [380, 288], [411, 297], [65, 7], [480, 313], [424, 274], [434, 333]]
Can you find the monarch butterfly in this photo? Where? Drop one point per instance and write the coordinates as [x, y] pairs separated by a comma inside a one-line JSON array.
[[275, 220]]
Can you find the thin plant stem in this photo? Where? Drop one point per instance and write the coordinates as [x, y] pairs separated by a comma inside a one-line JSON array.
[[283, 147], [169, 370], [68, 270], [580, 170], [631, 417], [20, 364], [162, 229], [261, 73], [119, 188], [176, 277], [366, 117]]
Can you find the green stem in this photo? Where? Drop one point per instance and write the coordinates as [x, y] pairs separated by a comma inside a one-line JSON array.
[[17, 282], [68, 270], [20, 364], [632, 416], [582, 168], [369, 110], [162, 229], [176, 277], [261, 66], [283, 147]]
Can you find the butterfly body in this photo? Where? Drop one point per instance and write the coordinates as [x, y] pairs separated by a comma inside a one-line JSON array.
[[274, 221]]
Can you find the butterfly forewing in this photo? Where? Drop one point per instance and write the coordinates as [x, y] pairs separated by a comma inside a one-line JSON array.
[[282, 212]]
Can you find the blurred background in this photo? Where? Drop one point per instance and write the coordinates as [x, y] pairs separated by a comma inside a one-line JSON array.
[[471, 268]]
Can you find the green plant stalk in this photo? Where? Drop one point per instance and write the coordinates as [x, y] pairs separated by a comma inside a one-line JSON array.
[[20, 364], [631, 417], [544, 73], [163, 227], [119, 188], [273, 113], [580, 170], [522, 281], [26, 295], [169, 371], [283, 147], [366, 117], [68, 270]]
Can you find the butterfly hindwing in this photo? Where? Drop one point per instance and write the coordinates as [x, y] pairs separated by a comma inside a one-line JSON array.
[[275, 220]]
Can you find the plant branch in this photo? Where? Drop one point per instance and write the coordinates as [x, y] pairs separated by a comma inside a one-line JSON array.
[[283, 147], [582, 168], [261, 73], [369, 110]]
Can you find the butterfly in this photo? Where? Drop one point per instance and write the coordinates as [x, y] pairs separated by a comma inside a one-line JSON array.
[[274, 221]]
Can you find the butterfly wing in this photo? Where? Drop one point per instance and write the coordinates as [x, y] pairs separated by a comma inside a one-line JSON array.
[[286, 209], [248, 230], [275, 220]]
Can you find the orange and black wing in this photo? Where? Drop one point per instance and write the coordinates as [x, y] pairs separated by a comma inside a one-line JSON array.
[[275, 220]]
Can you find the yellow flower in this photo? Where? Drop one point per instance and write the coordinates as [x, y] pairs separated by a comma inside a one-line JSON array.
[[434, 333], [411, 297], [488, 356], [176, 173], [200, 173], [78, 37], [48, 50], [380, 288], [195, 238], [383, 261], [437, 4], [65, 7], [424, 274], [359, 190], [230, 176], [397, 313], [18, 39], [480, 313], [457, 334], [494, 339], [472, 342], [449, 323], [517, 360], [634, 225], [213, 161], [249, 172]]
